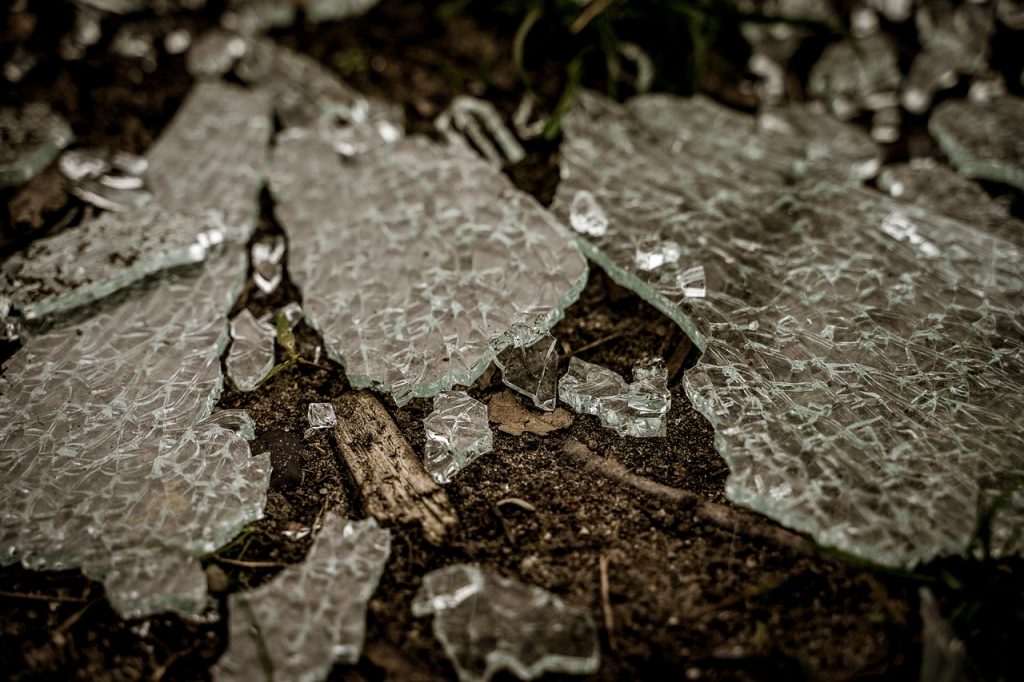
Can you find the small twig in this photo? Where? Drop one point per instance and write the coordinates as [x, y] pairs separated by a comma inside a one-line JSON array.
[[58, 634], [606, 604], [42, 597], [587, 15], [594, 344], [518, 502], [248, 564]]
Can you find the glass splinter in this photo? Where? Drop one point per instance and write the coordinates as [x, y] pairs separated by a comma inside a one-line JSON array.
[[267, 270], [321, 416], [487, 623], [861, 355], [637, 409], [31, 137], [310, 615], [478, 122], [532, 370], [457, 434], [251, 356]]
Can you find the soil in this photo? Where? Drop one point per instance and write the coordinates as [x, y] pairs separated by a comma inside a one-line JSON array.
[[686, 599]]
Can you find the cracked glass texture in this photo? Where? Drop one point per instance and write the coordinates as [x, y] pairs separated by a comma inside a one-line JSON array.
[[862, 357], [983, 139], [487, 623], [637, 409], [457, 434], [532, 370], [251, 356], [415, 260], [31, 137], [310, 615]]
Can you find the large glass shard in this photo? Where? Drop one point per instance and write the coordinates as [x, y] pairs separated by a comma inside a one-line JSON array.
[[962, 31], [457, 435], [851, 77], [267, 270], [251, 356], [862, 356], [637, 409], [31, 137], [212, 157], [487, 623], [532, 369], [415, 260], [101, 256], [311, 615], [982, 139]]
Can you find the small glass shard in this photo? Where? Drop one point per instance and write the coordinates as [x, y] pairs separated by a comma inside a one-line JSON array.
[[477, 122], [586, 215], [214, 53], [982, 138], [292, 313], [850, 78], [487, 623], [637, 409], [652, 252], [532, 370], [252, 351], [31, 137], [321, 416], [457, 434], [930, 72], [111, 181], [267, 270], [319, 11], [311, 615]]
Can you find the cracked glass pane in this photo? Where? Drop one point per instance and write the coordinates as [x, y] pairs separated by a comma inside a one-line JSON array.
[[982, 139], [101, 256], [321, 416], [637, 409], [267, 269], [861, 356], [487, 623], [415, 260], [310, 615], [457, 435], [532, 369], [31, 137], [251, 356]]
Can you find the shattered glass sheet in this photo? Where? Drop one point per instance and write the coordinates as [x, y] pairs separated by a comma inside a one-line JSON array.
[[983, 139], [251, 356], [457, 434], [31, 137], [212, 156], [862, 357], [321, 416], [310, 615], [637, 409], [415, 260], [532, 370], [101, 256], [487, 623]]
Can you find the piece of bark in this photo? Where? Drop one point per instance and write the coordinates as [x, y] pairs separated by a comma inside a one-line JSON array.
[[391, 479]]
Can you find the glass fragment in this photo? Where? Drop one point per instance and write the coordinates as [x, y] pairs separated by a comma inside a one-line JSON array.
[[487, 623], [962, 31], [478, 123], [292, 313], [267, 269], [850, 77], [321, 416], [251, 356], [457, 435], [532, 370], [310, 615], [31, 137], [250, 17], [637, 409], [319, 11], [982, 138]]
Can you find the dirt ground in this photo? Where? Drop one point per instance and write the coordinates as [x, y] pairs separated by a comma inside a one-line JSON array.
[[687, 598]]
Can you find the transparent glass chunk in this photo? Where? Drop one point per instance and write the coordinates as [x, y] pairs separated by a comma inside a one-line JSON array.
[[850, 76], [652, 252], [215, 52], [930, 72], [487, 623], [415, 260], [331, 10], [292, 313], [31, 137], [103, 255], [861, 355], [586, 215], [457, 434], [982, 138], [311, 615], [267, 269], [256, 16], [321, 416], [532, 369], [478, 123], [961, 30], [212, 156], [637, 409], [251, 356]]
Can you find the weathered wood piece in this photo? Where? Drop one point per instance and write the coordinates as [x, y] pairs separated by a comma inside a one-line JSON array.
[[391, 480]]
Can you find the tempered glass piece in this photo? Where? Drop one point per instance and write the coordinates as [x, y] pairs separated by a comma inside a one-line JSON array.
[[311, 615], [637, 409], [321, 416], [487, 623], [586, 215], [532, 370], [850, 76], [943, 190], [212, 156], [415, 260], [31, 137], [113, 181], [585, 385], [103, 255], [252, 351], [332, 10], [457, 435], [982, 139], [862, 357], [107, 441], [477, 122], [267, 270], [214, 53]]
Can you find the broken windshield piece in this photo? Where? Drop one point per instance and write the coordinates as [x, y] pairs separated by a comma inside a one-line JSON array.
[[982, 138], [103, 255], [844, 333], [252, 351], [31, 137], [652, 252], [477, 122], [487, 623], [267, 270], [311, 615], [415, 260], [457, 434], [321, 416], [637, 409], [214, 53], [532, 370]]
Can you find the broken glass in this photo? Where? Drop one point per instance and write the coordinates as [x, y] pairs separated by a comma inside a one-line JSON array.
[[962, 31], [311, 615], [267, 270], [19, 64], [457, 435], [214, 53], [476, 122], [212, 156], [982, 139], [861, 356], [487, 623], [31, 137], [251, 356], [930, 72], [532, 369], [103, 255], [331, 10], [637, 409], [415, 260], [113, 181], [852, 76], [292, 313], [321, 416]]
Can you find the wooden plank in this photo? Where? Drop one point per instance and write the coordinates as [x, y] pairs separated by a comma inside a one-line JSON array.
[[391, 479]]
